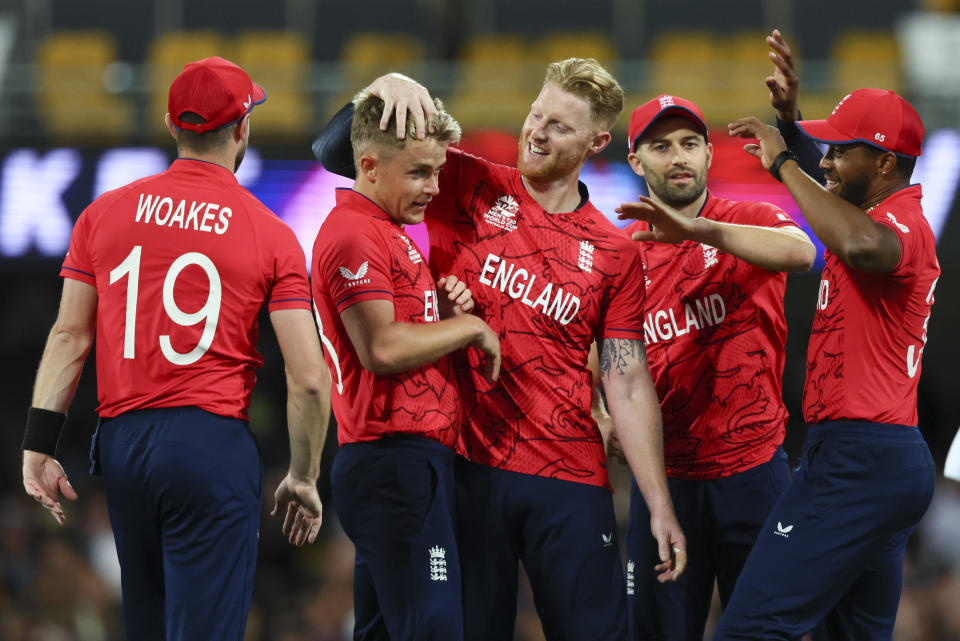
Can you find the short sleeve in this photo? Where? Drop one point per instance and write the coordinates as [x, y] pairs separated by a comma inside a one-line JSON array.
[[911, 243], [764, 215], [290, 289], [77, 263], [624, 314], [356, 268]]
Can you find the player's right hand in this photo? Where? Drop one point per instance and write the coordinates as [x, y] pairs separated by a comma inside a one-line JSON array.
[[44, 480], [489, 343], [784, 84], [667, 225], [400, 94], [299, 502]]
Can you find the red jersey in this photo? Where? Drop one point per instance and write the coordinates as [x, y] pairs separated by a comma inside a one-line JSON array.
[[183, 261], [715, 333], [360, 254], [869, 331], [548, 285]]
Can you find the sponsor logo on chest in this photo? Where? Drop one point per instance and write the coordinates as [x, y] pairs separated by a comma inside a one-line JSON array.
[[503, 213]]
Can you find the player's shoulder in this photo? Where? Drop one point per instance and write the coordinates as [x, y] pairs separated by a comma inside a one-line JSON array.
[[729, 210], [467, 163]]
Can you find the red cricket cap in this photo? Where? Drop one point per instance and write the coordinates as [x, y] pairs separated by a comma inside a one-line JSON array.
[[662, 106], [215, 89], [876, 117]]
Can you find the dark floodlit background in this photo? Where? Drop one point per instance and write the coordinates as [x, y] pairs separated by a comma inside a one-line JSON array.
[[82, 97]]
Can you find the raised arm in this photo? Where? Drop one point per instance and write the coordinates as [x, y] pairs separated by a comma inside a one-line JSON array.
[[635, 410], [308, 414], [784, 87], [843, 228], [784, 249], [60, 366]]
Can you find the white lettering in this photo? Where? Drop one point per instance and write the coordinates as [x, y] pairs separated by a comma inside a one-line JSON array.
[[703, 309], [543, 300], [179, 213], [32, 211], [524, 299], [503, 275], [193, 215], [488, 268], [516, 291], [149, 207], [823, 295], [715, 303], [223, 221], [559, 304], [572, 310], [691, 317], [662, 329], [431, 310], [207, 216], [166, 200]]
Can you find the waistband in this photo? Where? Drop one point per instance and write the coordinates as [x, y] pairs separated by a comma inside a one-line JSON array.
[[863, 430]]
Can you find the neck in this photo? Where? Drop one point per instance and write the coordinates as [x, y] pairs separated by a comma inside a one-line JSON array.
[[882, 194], [368, 189], [558, 196], [690, 211], [224, 159]]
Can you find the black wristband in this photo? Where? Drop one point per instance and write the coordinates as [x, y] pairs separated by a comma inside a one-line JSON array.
[[43, 430], [781, 158]]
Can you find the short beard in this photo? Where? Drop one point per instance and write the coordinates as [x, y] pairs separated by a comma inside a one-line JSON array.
[[673, 196], [854, 190], [558, 168]]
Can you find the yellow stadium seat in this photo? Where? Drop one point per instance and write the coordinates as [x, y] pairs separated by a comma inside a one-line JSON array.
[[368, 55], [865, 59], [561, 45], [73, 99], [278, 61], [499, 78], [684, 63], [166, 57]]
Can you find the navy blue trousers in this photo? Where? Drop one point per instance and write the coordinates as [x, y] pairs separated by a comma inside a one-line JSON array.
[[566, 535], [832, 549], [720, 519], [394, 497], [183, 491]]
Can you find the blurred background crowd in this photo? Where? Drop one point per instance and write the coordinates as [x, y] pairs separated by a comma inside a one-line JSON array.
[[84, 87]]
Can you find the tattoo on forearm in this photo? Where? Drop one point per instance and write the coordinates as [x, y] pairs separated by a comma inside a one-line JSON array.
[[618, 354]]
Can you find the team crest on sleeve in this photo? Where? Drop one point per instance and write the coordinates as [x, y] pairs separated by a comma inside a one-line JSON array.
[[900, 226], [503, 214], [412, 252], [358, 278]]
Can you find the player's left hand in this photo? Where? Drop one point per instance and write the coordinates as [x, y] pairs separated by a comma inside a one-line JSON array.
[[668, 225], [44, 480], [454, 297], [770, 141], [299, 502], [671, 545]]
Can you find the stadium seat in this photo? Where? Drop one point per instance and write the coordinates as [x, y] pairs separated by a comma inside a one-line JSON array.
[[498, 79], [684, 63], [73, 99], [561, 45], [166, 56], [865, 59], [279, 61], [367, 55]]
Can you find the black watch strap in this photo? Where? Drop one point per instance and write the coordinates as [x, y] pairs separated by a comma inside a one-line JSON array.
[[781, 158]]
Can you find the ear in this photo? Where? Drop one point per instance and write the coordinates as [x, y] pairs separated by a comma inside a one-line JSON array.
[[243, 129], [634, 161], [886, 163], [599, 142], [168, 121], [369, 166], [709, 154]]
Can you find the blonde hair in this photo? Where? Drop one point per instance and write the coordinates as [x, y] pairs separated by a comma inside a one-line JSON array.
[[586, 78], [365, 130]]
